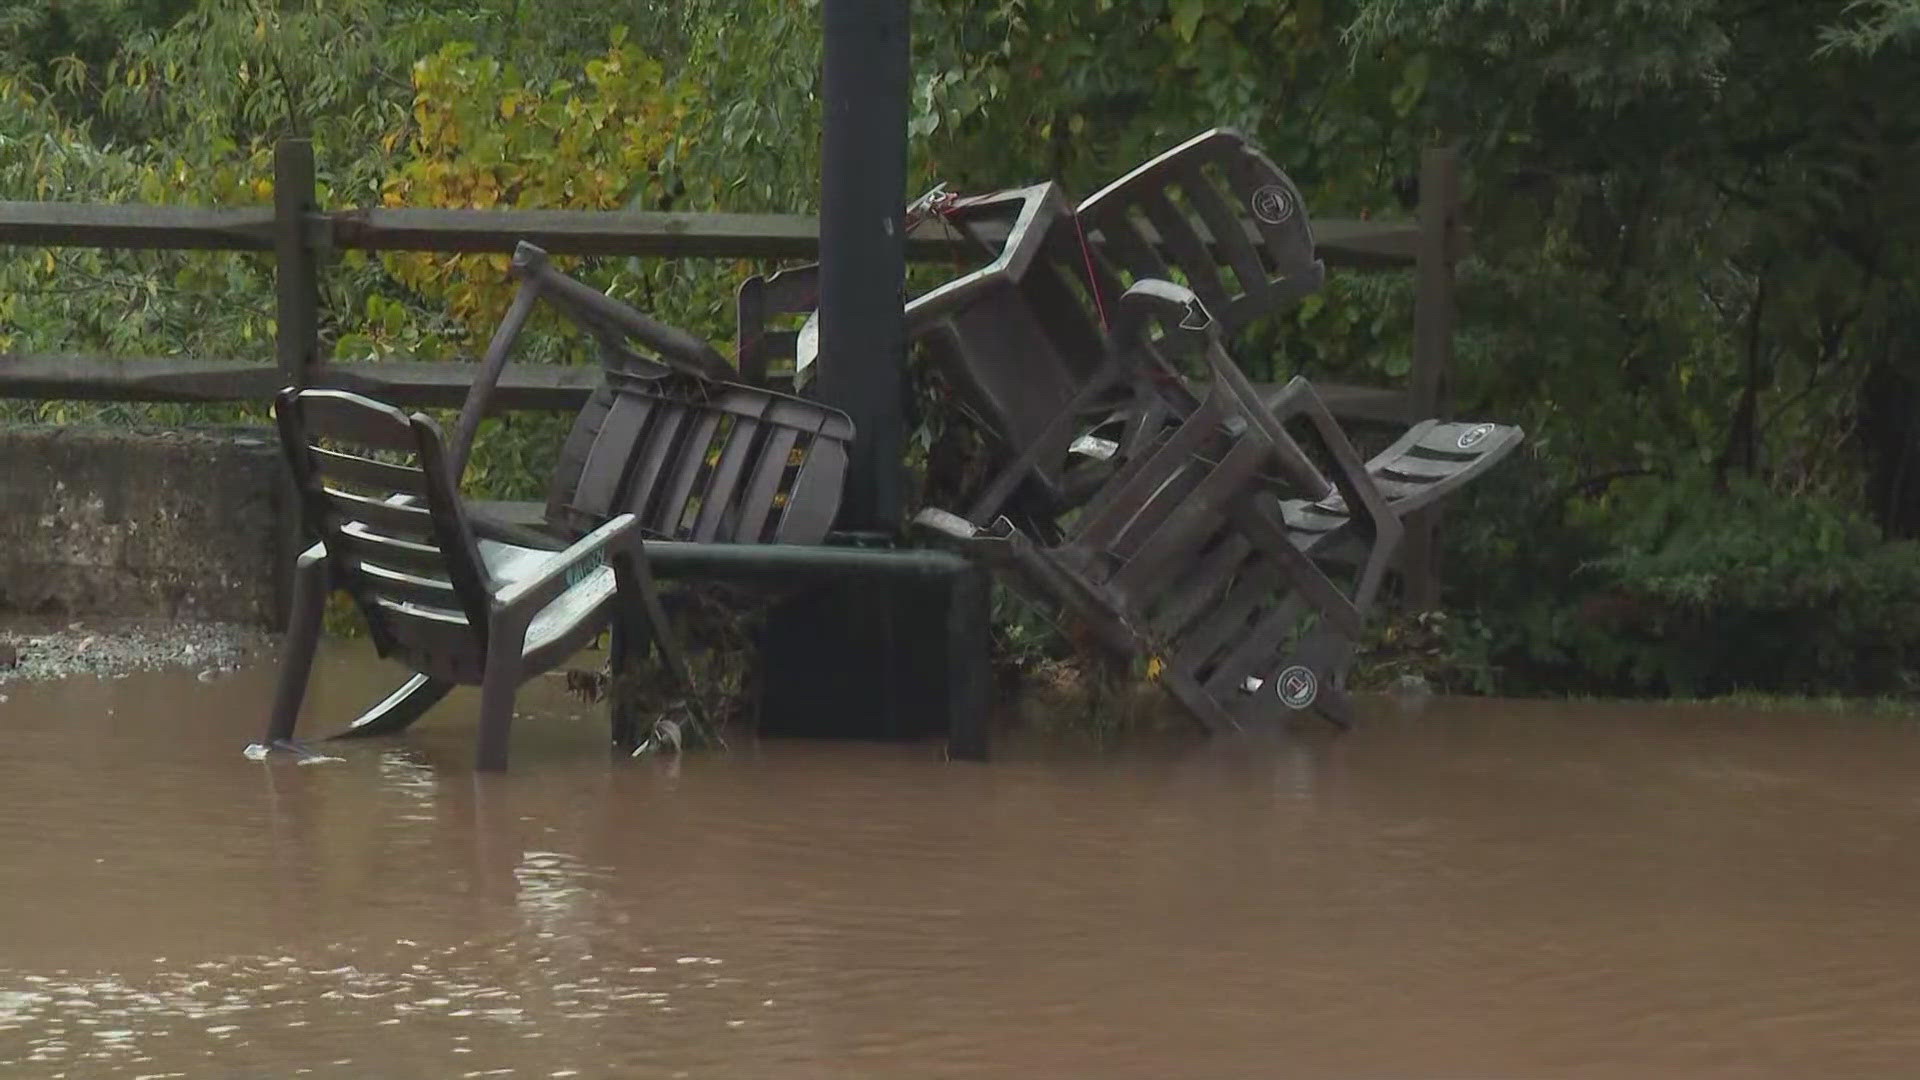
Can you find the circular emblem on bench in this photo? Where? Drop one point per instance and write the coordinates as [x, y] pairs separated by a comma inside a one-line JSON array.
[[1471, 437], [1297, 687], [1272, 204]]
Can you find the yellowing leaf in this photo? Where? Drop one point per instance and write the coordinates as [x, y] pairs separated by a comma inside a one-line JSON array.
[[1186, 16]]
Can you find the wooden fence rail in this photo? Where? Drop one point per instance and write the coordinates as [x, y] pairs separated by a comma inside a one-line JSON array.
[[1343, 243], [300, 235]]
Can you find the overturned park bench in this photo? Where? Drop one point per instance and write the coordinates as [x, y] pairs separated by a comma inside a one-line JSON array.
[[1093, 350], [1214, 544]]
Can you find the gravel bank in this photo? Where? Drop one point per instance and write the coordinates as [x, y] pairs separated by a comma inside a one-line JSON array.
[[117, 649]]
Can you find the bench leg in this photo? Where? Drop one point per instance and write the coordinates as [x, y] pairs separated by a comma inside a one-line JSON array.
[[399, 710], [633, 580], [632, 637], [500, 684], [303, 638]]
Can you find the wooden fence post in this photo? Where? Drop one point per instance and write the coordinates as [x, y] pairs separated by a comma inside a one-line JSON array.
[[296, 269], [296, 279], [1433, 317]]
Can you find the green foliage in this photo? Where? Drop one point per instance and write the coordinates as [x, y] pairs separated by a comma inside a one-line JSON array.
[[1738, 589], [757, 147], [1080, 91], [1677, 585], [1690, 251], [482, 137], [1448, 654], [1600, 56], [1875, 25], [58, 45]]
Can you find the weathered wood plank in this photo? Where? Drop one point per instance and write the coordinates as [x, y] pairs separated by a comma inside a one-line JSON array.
[[443, 384], [296, 273], [1342, 242], [1366, 245], [415, 383], [1433, 315], [86, 378], [408, 383], [1358, 244], [590, 232], [745, 236], [1433, 321], [136, 225]]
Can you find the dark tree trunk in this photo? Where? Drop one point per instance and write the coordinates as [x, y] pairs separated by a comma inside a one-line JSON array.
[[1889, 431], [1742, 451]]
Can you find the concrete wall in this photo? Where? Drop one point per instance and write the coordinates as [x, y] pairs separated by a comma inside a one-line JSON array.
[[152, 524]]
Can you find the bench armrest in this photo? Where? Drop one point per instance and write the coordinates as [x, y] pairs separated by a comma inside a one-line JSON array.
[[528, 594]]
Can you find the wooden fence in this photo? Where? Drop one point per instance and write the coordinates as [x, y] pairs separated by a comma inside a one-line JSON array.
[[300, 235]]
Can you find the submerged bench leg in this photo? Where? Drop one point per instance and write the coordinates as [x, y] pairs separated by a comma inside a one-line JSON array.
[[1420, 560], [303, 638], [506, 638], [639, 620], [399, 709], [632, 637]]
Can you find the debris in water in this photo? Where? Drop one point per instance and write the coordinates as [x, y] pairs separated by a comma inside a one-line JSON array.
[[666, 734], [303, 755], [588, 686], [1412, 685]]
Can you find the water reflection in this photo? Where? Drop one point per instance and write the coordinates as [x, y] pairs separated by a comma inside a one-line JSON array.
[[1486, 889]]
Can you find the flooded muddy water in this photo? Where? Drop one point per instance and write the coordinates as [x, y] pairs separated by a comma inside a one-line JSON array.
[[1485, 889]]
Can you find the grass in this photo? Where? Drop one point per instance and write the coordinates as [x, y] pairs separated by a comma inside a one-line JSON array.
[[1884, 707]]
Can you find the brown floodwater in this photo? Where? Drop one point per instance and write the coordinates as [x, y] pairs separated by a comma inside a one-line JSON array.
[[1480, 889]]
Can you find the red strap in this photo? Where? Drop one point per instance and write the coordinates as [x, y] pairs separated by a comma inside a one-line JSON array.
[[1093, 280]]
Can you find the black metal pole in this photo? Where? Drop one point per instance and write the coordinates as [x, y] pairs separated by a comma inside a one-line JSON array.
[[896, 644], [864, 89]]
